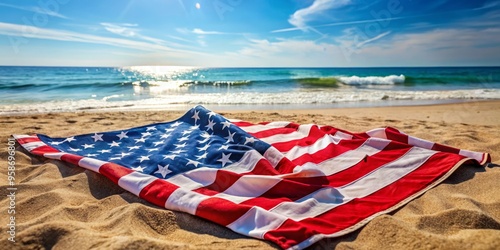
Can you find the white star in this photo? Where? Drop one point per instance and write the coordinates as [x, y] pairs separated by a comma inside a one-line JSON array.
[[171, 157], [180, 145], [104, 151], [205, 134], [70, 139], [152, 149], [195, 127], [156, 143], [115, 158], [225, 159], [211, 113], [196, 116], [164, 136], [140, 140], [195, 163], [186, 132], [146, 134], [249, 140], [97, 137], [204, 148], [225, 124], [204, 140], [151, 128], [178, 151], [139, 168], [230, 137], [203, 156], [144, 158], [183, 139], [91, 155], [224, 147], [176, 124], [163, 170], [168, 130], [56, 142], [74, 149], [125, 154], [133, 147], [114, 144], [122, 135], [85, 146], [210, 125]]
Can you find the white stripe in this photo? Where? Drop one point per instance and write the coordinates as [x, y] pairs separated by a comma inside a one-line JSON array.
[[274, 156], [259, 127], [248, 187], [55, 156], [246, 164], [204, 176], [474, 155], [24, 136], [135, 182], [30, 146], [256, 222], [91, 164], [328, 198], [184, 200], [378, 133], [320, 144], [420, 142], [342, 135], [195, 178], [302, 132], [349, 158]]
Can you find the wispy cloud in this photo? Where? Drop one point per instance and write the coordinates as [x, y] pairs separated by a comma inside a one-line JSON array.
[[35, 9], [129, 30], [300, 18], [26, 31], [203, 32]]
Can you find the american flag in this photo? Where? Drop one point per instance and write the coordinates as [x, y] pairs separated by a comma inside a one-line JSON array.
[[287, 183]]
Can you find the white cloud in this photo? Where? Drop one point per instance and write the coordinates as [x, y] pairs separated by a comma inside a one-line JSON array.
[[300, 18], [23, 32], [129, 30], [203, 32], [36, 9]]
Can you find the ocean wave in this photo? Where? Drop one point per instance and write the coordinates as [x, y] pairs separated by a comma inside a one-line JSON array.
[[372, 80]]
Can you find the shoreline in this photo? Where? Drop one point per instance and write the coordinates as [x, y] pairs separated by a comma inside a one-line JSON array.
[[487, 111]]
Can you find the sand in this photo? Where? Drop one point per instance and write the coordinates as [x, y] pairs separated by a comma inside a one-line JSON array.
[[65, 207]]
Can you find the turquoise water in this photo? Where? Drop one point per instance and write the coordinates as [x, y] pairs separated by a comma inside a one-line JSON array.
[[53, 89]]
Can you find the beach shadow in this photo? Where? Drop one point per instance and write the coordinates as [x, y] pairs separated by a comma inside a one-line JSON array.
[[464, 173]]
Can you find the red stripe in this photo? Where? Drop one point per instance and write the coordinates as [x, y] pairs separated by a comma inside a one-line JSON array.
[[114, 171], [444, 148], [365, 166], [71, 158], [329, 152], [395, 135], [273, 131], [281, 191], [157, 192], [44, 149], [220, 211], [291, 232], [27, 140]]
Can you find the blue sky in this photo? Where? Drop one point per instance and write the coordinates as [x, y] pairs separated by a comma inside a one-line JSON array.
[[254, 33]]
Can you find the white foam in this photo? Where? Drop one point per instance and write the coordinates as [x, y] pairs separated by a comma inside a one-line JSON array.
[[372, 80], [162, 101]]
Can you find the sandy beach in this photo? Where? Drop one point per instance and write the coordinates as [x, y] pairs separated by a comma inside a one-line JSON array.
[[66, 207]]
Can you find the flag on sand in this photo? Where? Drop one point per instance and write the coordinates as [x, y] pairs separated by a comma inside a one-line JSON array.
[[287, 183]]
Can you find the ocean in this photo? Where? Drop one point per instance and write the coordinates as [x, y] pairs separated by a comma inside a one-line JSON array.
[[67, 89]]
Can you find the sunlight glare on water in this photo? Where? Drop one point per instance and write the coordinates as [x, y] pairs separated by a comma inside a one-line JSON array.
[[160, 72]]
